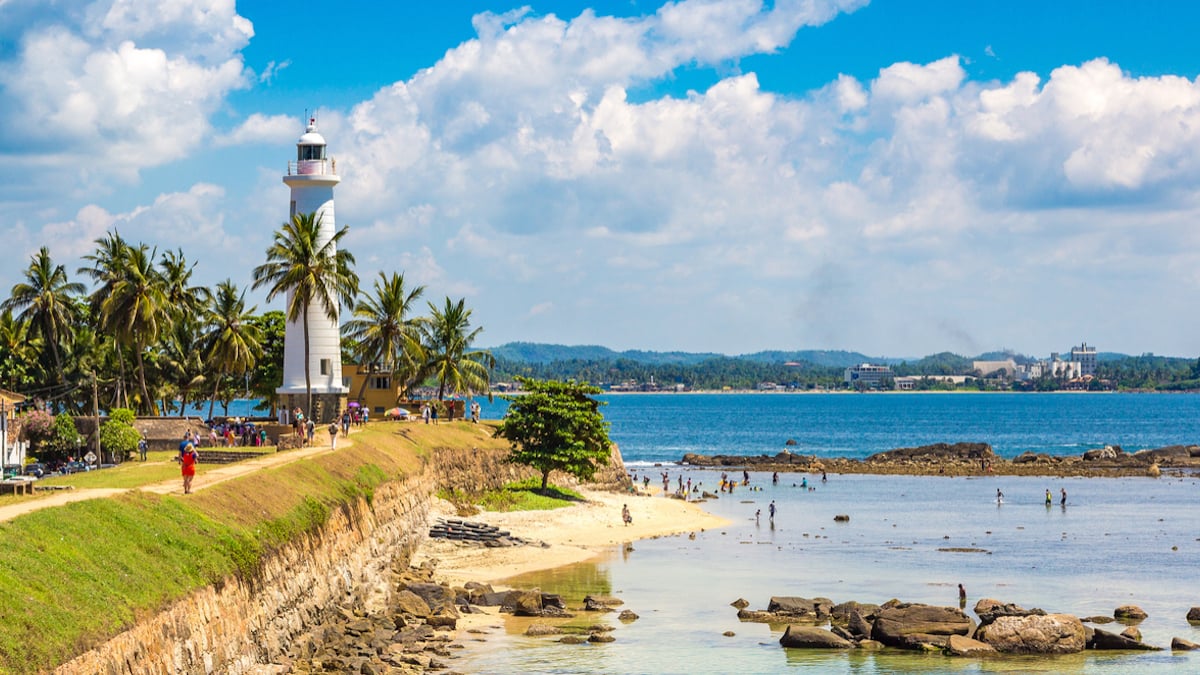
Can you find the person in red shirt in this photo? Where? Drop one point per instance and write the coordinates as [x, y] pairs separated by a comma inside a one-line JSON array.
[[187, 460]]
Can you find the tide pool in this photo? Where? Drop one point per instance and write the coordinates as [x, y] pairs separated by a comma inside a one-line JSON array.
[[1118, 541]]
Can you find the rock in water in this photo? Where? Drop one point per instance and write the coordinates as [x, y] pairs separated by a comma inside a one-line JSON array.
[[1035, 634], [810, 637], [959, 645], [1129, 613], [1179, 644], [911, 626]]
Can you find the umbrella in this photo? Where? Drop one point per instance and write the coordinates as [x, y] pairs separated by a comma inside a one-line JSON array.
[[352, 404], [397, 412]]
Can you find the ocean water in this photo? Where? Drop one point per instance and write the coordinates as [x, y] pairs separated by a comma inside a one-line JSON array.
[[664, 427], [1118, 541]]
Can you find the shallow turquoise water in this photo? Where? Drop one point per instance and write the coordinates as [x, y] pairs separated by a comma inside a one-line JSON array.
[[1112, 545]]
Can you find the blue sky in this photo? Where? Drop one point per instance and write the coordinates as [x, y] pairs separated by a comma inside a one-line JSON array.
[[898, 178]]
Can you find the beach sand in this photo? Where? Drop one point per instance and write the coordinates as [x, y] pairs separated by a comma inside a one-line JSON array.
[[572, 534]]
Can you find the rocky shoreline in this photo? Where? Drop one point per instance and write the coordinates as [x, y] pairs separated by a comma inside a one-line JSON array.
[[968, 459], [1003, 628]]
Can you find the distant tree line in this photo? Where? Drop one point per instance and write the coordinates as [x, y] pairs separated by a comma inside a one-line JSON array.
[[145, 337], [1140, 373]]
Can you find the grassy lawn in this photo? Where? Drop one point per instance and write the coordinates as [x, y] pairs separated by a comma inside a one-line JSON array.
[[525, 495], [158, 467]]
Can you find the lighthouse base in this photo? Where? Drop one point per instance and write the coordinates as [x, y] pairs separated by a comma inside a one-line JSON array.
[[326, 407]]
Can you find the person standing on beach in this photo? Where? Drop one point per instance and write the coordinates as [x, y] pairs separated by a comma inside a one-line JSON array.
[[1049, 499], [962, 596], [187, 461], [625, 515], [999, 496], [771, 511], [1063, 501], [775, 478]]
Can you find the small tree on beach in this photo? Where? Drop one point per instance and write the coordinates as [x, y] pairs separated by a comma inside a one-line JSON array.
[[556, 426]]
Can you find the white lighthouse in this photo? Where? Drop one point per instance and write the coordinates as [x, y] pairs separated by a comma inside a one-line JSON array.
[[311, 178]]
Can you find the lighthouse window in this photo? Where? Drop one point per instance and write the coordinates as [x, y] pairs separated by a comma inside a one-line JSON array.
[[310, 152], [326, 366]]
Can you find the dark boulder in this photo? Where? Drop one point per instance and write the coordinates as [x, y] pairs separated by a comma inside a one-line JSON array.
[[1179, 644], [1102, 639], [810, 637], [817, 609], [937, 451], [911, 626], [1193, 615], [989, 610], [1131, 613]]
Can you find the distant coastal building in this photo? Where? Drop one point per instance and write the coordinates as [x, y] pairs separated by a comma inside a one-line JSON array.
[[1004, 370], [868, 376], [1085, 356]]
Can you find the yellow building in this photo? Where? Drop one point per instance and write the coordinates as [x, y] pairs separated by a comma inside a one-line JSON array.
[[381, 395], [378, 396]]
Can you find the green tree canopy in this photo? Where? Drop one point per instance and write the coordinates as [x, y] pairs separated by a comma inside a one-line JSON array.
[[556, 426]]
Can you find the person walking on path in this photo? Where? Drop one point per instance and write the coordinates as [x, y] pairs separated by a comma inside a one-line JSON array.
[[333, 432], [311, 427], [187, 461], [143, 448]]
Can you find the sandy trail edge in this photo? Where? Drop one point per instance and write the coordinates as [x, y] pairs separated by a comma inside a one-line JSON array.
[[574, 534]]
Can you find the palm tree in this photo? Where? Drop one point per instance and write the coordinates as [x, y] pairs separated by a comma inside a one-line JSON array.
[[137, 311], [177, 274], [234, 341], [184, 358], [18, 352], [46, 301], [447, 338], [383, 333], [108, 263], [310, 272]]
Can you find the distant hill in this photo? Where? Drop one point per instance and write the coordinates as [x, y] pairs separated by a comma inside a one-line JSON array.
[[818, 357], [530, 352]]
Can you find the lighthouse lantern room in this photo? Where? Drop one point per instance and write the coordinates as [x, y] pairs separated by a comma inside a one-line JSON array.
[[311, 179]]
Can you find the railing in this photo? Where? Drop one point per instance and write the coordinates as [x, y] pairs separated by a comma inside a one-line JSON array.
[[313, 167]]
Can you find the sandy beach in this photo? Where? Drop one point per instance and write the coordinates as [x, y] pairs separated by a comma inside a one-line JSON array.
[[572, 534]]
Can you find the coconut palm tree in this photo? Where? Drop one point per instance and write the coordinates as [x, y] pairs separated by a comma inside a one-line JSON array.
[[46, 299], [18, 352], [447, 338], [137, 311], [177, 275], [183, 358], [108, 263], [384, 334], [311, 273], [234, 341]]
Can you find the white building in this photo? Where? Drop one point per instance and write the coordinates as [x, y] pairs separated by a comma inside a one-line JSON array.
[[311, 178], [868, 376], [1085, 356], [1005, 369]]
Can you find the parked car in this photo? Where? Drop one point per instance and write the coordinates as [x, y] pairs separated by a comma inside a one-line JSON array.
[[36, 469], [75, 467]]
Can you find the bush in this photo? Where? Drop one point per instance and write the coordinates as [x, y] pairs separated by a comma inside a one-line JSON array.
[[118, 437]]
